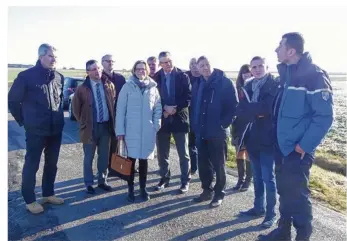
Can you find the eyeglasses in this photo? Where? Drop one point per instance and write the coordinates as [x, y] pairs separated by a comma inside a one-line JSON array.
[[109, 61]]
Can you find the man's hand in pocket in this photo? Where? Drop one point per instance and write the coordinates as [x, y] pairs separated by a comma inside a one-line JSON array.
[[298, 149]]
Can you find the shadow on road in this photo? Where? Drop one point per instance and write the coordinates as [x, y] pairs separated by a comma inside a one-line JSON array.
[[123, 224], [16, 134], [79, 205]]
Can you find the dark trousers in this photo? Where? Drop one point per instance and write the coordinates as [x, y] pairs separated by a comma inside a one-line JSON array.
[[292, 177], [101, 142], [34, 146], [143, 168], [212, 158], [163, 149], [193, 152]]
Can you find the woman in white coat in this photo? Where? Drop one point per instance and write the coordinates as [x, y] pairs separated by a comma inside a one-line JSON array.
[[138, 119]]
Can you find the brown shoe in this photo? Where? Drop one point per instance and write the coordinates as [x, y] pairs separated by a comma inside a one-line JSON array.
[[35, 208], [53, 200]]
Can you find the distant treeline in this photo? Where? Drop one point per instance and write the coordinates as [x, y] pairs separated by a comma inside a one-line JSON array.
[[20, 65], [124, 70]]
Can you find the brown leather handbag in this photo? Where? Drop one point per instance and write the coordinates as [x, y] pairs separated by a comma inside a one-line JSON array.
[[121, 166]]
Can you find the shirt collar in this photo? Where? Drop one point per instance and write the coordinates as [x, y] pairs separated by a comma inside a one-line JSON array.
[[94, 83]]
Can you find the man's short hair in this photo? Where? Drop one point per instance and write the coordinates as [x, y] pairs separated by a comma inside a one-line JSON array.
[[258, 58], [201, 58], [152, 58], [90, 63], [164, 54], [106, 56], [44, 48], [296, 41]]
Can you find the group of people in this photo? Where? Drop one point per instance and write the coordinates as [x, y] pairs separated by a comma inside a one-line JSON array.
[[276, 125]]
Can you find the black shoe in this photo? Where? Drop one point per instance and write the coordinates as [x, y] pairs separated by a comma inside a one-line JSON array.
[[131, 195], [144, 194], [282, 233], [162, 184], [184, 188], [238, 185], [245, 186], [105, 187], [252, 213], [90, 190], [216, 202], [204, 196]]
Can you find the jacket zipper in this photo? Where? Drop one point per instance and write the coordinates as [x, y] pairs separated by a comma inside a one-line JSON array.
[[276, 102], [50, 103], [212, 96]]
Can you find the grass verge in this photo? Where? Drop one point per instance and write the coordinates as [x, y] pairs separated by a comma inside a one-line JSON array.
[[327, 180]]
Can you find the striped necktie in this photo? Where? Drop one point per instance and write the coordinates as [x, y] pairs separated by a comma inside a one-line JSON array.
[[98, 96]]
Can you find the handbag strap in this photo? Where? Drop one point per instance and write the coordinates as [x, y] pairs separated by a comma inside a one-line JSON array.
[[118, 144]]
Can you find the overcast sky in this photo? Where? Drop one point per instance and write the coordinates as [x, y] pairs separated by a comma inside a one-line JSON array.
[[229, 36]]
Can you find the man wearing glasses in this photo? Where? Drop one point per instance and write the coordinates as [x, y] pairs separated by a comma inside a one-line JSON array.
[[118, 81], [96, 123], [175, 92], [108, 72]]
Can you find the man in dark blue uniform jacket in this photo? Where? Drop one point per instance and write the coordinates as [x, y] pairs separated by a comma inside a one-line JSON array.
[[303, 114]]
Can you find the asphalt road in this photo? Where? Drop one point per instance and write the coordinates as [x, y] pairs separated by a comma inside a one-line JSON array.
[[108, 216]]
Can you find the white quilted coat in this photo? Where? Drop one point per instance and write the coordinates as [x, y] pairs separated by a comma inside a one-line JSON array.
[[138, 117]]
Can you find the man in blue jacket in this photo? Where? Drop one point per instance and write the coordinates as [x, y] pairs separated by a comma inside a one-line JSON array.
[[303, 114], [35, 101], [216, 101]]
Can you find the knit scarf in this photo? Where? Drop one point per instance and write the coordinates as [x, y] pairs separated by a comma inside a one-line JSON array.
[[257, 84], [142, 84]]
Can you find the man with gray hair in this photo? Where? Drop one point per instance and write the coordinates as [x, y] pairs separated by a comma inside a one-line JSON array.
[[36, 102], [118, 81], [216, 100], [175, 92], [110, 74]]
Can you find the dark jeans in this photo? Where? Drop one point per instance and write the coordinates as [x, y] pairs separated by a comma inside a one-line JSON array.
[[193, 152], [262, 165], [143, 167], [102, 142], [34, 146], [292, 177], [163, 149], [212, 159]]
